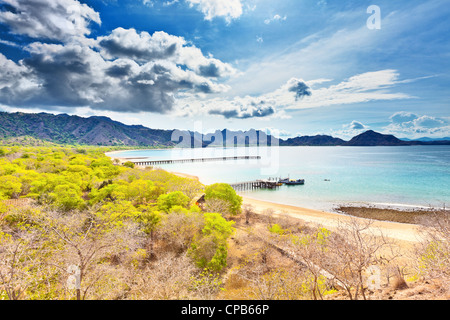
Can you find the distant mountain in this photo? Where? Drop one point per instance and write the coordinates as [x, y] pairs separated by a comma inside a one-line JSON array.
[[44, 128], [426, 139], [319, 140], [372, 138]]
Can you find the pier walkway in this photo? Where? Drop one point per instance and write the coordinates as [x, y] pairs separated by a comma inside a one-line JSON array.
[[258, 184], [159, 162]]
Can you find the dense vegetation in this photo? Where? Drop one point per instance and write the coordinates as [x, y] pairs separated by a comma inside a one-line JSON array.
[[76, 225], [91, 213]]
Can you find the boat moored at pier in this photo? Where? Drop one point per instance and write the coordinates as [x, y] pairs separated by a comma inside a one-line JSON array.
[[292, 182], [295, 182]]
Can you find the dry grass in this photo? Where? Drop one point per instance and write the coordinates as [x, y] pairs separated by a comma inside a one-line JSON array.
[[243, 246]]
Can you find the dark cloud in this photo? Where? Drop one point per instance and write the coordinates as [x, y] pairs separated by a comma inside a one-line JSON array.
[[124, 71], [119, 71], [244, 112], [60, 78], [210, 70], [260, 112], [127, 43], [204, 88], [143, 47], [225, 113], [299, 88], [75, 75]]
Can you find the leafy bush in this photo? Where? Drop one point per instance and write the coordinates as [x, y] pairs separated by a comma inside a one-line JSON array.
[[129, 164], [224, 192], [209, 249], [167, 201], [277, 229]]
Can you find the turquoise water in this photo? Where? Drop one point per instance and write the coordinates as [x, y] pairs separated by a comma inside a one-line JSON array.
[[396, 176]]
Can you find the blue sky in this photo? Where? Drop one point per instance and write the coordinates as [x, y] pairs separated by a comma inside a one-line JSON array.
[[290, 67]]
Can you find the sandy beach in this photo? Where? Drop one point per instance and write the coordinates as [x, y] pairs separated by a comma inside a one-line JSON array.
[[394, 230]]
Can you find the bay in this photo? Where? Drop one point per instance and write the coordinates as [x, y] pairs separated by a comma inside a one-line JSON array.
[[406, 176]]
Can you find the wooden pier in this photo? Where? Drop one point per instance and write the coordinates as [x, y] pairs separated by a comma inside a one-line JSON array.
[[258, 184], [160, 162]]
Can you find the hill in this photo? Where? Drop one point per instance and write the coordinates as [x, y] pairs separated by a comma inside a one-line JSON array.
[[102, 131], [65, 129], [319, 140], [372, 138], [44, 129]]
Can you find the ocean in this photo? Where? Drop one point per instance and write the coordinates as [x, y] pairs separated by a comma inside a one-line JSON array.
[[405, 177]]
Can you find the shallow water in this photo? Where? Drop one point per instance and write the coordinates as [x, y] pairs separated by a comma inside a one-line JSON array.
[[396, 176]]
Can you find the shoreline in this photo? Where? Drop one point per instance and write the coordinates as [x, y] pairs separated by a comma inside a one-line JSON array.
[[395, 230]]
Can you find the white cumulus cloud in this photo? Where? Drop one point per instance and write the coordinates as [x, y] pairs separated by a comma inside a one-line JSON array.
[[228, 9], [407, 124], [50, 19]]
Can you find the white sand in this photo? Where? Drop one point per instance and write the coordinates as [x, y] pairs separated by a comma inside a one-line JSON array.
[[399, 231]]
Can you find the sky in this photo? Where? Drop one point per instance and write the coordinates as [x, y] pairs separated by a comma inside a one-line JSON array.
[[288, 67]]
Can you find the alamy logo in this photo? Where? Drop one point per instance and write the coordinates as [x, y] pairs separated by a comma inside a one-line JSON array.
[[74, 280], [374, 21], [374, 278], [224, 144]]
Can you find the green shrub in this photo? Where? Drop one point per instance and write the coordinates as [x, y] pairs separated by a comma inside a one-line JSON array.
[[224, 192]]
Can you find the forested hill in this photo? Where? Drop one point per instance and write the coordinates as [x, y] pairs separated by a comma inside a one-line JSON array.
[[318, 140], [65, 129], [372, 138]]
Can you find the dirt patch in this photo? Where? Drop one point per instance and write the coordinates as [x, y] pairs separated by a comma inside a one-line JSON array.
[[387, 214]]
